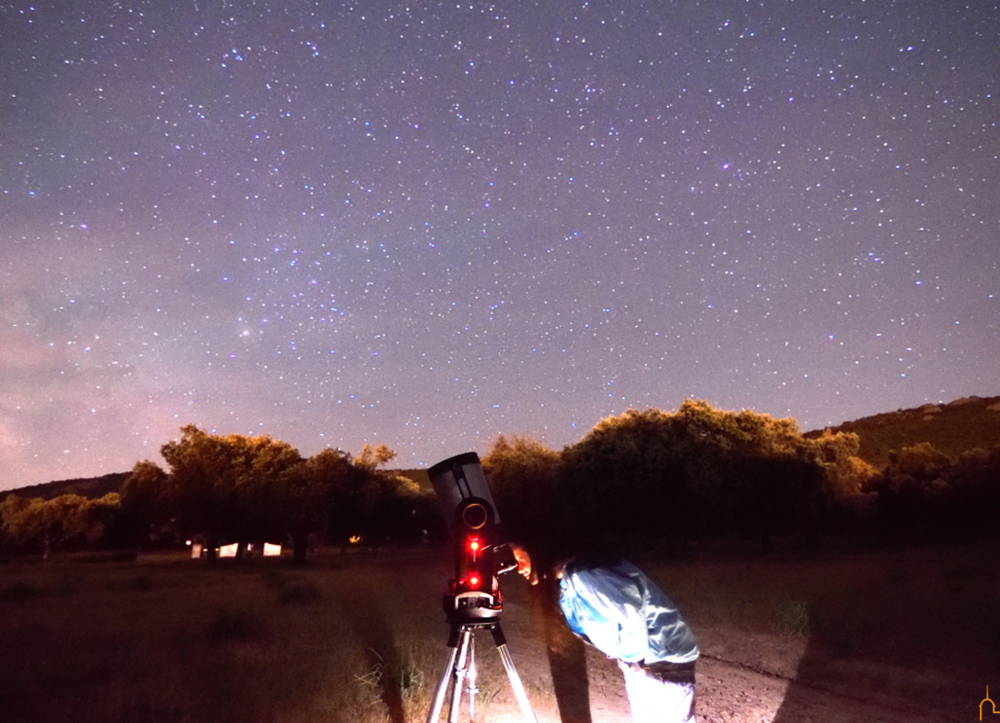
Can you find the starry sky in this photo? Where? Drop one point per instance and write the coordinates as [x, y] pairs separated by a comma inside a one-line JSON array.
[[428, 223]]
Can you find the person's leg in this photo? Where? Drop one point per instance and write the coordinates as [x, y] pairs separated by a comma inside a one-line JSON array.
[[656, 701]]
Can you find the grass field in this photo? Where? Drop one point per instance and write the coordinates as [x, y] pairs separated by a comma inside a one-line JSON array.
[[362, 638]]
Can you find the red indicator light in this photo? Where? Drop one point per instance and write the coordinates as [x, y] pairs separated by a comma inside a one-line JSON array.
[[474, 581], [474, 544]]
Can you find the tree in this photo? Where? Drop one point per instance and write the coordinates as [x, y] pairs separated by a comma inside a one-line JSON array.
[[400, 510], [342, 495], [359, 498], [781, 494], [265, 464], [306, 493], [523, 475], [973, 505], [104, 514], [218, 486], [50, 523], [144, 503], [618, 476], [701, 470], [909, 491], [846, 473], [927, 494], [371, 459]]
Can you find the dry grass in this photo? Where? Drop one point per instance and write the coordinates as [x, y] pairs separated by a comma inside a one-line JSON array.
[[904, 606], [175, 640]]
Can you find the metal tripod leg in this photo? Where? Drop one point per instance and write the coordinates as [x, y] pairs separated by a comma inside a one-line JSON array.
[[460, 673], [442, 688], [460, 642], [515, 679]]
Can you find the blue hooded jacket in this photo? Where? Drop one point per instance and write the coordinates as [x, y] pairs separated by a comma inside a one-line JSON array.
[[625, 615]]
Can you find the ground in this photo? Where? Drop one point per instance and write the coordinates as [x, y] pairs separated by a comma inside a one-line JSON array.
[[848, 636], [755, 676], [730, 689]]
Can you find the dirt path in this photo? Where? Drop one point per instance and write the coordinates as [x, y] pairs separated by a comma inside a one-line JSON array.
[[745, 678], [732, 692]]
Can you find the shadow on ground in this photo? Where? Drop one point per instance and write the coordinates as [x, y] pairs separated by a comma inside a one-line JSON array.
[[360, 608], [566, 654], [836, 688]]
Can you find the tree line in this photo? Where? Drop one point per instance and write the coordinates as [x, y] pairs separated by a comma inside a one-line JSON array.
[[665, 479], [672, 478], [669, 479], [924, 494], [231, 488]]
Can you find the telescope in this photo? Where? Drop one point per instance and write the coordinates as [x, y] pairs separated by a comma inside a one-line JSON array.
[[473, 600], [481, 550]]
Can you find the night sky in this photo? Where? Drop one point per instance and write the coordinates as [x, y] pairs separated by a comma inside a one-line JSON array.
[[425, 224]]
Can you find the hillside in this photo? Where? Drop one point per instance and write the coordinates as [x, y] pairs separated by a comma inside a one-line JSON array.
[[95, 487], [92, 487], [950, 428]]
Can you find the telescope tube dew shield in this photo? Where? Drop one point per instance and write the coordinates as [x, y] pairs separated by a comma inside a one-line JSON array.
[[458, 479]]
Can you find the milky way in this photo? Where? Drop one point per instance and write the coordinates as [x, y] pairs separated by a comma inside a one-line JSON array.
[[428, 224]]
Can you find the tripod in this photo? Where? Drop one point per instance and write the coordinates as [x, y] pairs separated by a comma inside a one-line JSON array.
[[462, 644]]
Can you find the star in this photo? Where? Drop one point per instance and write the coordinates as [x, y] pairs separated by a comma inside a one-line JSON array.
[[427, 226]]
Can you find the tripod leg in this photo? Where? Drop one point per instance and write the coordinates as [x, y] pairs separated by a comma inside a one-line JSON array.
[[515, 679], [473, 690], [442, 688], [460, 672]]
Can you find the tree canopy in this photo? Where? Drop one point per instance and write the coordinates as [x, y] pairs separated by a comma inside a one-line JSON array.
[[661, 477], [50, 523], [240, 488], [675, 476], [218, 485], [523, 476]]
